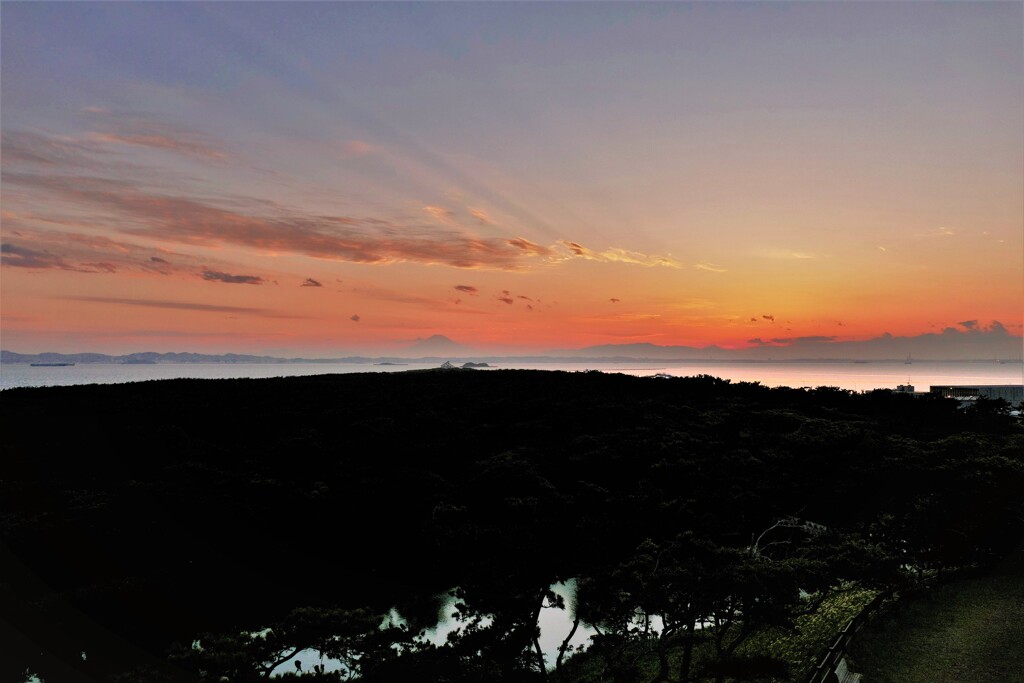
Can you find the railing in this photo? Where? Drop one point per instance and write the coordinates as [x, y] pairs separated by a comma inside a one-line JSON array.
[[832, 666]]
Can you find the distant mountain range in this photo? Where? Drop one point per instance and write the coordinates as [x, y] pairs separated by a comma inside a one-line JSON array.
[[146, 358], [970, 344]]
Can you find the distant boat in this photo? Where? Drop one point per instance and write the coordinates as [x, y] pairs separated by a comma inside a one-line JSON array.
[[50, 365], [909, 360]]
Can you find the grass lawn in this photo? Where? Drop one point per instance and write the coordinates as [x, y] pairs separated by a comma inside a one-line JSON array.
[[970, 630]]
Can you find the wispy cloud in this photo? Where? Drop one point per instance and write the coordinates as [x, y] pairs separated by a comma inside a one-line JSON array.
[[216, 276], [355, 318], [787, 254], [791, 341], [480, 215], [153, 206], [193, 221], [712, 267], [22, 257], [616, 254], [162, 142], [941, 232], [468, 289], [528, 247], [124, 128], [441, 214], [310, 282], [26, 147], [85, 253], [186, 305]]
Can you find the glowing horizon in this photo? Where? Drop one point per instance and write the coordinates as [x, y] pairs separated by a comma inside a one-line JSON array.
[[333, 179]]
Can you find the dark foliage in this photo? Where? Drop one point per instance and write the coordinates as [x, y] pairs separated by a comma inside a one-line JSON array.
[[135, 518]]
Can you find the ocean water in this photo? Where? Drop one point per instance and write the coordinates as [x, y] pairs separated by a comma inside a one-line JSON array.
[[845, 375]]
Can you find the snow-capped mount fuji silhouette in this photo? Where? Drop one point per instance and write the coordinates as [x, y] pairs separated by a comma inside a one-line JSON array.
[[436, 345]]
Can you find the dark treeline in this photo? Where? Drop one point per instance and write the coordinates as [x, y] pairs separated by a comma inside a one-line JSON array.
[[137, 519]]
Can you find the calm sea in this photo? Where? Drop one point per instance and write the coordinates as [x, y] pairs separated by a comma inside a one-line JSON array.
[[845, 375]]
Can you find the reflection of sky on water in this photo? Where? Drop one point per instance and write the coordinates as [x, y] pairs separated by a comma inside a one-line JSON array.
[[555, 625]]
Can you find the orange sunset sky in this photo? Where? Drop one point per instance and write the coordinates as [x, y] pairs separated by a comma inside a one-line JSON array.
[[330, 179]]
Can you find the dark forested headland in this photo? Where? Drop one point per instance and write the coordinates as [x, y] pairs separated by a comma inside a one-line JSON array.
[[156, 531]]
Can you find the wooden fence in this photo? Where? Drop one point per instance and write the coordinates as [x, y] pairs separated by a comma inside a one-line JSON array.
[[832, 667]]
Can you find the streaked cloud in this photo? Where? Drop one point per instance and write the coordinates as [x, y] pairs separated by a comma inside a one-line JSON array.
[[194, 221], [941, 232], [162, 141], [529, 247], [480, 215], [468, 289], [310, 282], [22, 257], [27, 147], [126, 128], [136, 204], [441, 214], [86, 253], [712, 267], [216, 276], [185, 305], [791, 341], [787, 254], [616, 254]]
